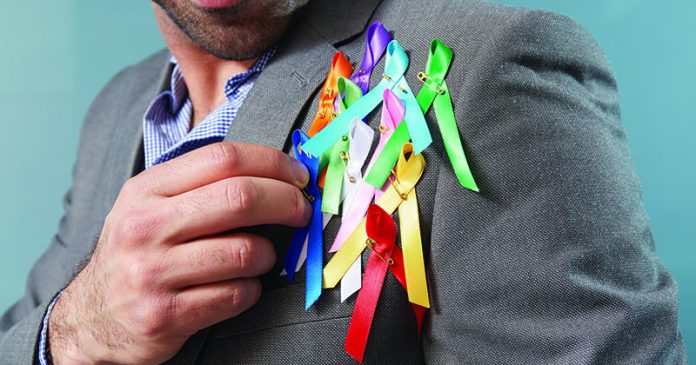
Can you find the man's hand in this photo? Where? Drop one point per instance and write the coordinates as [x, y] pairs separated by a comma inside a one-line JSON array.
[[164, 268]]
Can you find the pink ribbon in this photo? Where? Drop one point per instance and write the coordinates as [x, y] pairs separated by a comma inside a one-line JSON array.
[[358, 202]]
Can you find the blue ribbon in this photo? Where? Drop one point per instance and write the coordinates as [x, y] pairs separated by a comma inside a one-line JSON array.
[[315, 243]]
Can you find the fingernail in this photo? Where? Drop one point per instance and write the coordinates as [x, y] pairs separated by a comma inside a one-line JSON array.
[[308, 213], [300, 172]]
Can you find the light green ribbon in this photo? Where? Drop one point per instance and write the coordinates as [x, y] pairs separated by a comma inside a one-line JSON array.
[[331, 197], [395, 67], [434, 92]]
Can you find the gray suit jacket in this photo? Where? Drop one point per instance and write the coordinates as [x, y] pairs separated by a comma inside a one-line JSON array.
[[552, 263]]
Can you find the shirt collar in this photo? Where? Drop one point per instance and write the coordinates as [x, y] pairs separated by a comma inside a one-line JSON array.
[[179, 92]]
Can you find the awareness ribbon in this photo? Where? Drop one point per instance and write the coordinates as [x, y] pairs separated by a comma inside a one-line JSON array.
[[313, 230], [381, 234], [393, 78], [434, 92], [375, 44], [339, 154], [355, 205], [361, 137], [339, 67], [407, 173]]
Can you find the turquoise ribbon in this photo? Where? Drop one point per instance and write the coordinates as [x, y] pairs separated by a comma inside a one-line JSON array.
[[395, 66]]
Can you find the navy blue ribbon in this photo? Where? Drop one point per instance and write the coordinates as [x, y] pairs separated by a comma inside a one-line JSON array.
[[315, 243]]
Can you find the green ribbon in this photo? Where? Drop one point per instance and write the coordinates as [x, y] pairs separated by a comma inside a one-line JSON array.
[[434, 92], [338, 155]]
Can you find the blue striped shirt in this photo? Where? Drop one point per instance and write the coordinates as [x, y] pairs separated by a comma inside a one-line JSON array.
[[167, 133]]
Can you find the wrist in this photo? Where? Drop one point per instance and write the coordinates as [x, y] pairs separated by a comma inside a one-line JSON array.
[[67, 344]]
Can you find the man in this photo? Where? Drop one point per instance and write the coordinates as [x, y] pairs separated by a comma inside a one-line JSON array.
[[551, 263]]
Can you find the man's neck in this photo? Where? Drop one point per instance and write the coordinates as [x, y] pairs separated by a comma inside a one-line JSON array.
[[205, 74]]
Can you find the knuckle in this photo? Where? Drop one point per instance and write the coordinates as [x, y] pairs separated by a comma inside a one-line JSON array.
[[154, 314], [136, 227], [129, 189], [244, 252], [243, 293], [241, 195], [225, 156], [142, 274]]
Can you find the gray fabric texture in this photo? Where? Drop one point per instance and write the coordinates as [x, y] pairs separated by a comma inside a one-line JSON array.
[[552, 263]]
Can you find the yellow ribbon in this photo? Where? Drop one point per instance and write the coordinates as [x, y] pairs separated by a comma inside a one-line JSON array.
[[408, 171]]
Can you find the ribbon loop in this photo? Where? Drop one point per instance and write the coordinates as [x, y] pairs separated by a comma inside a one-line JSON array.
[[340, 66], [375, 44]]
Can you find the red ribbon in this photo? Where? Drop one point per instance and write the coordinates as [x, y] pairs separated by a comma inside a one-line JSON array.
[[381, 231]]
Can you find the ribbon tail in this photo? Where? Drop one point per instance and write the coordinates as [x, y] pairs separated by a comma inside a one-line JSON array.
[[398, 271], [450, 137], [365, 306], [414, 264], [350, 283], [314, 255], [294, 252]]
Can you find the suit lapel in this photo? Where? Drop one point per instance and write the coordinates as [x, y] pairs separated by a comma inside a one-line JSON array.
[[282, 90], [285, 88]]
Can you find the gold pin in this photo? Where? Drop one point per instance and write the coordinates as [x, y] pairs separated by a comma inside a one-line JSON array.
[[371, 244], [427, 81], [308, 196], [383, 129]]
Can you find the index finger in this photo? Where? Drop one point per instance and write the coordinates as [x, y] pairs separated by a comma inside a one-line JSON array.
[[220, 161]]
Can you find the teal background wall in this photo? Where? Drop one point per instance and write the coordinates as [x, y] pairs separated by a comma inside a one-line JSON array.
[[56, 55]]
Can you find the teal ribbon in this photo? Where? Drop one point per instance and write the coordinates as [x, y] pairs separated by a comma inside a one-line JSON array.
[[395, 66]]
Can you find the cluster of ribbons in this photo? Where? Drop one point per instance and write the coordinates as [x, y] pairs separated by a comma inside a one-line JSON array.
[[335, 150]]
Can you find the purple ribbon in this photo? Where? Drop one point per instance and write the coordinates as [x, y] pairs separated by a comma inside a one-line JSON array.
[[376, 42]]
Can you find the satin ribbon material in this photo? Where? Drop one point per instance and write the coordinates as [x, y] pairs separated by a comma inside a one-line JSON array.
[[414, 264], [385, 255], [407, 173], [360, 140], [340, 66], [355, 207], [339, 156], [331, 199], [382, 233], [435, 92], [380, 172], [313, 231], [375, 44], [395, 66]]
